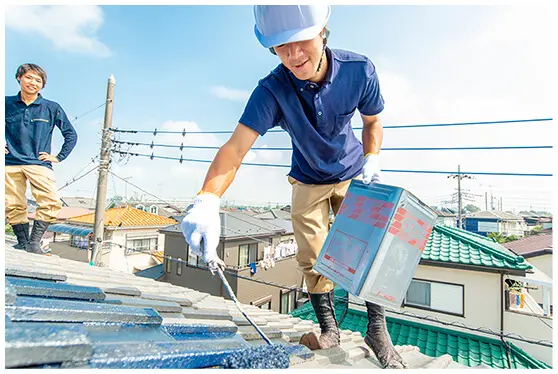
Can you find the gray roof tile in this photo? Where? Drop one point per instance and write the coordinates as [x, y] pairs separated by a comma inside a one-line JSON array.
[[30, 344], [52, 310], [160, 306], [200, 335], [34, 287], [32, 272], [183, 301]]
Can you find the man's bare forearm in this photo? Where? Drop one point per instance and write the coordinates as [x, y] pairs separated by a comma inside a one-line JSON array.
[[222, 171], [372, 136]]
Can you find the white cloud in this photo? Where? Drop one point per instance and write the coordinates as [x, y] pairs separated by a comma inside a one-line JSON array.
[[69, 28], [230, 93]]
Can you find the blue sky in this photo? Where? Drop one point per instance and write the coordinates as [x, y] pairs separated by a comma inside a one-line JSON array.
[[194, 67]]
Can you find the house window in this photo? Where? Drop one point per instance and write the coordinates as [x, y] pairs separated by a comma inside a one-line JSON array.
[[263, 303], [436, 296], [142, 245], [179, 265], [154, 209], [247, 253], [193, 259], [288, 301], [169, 264]]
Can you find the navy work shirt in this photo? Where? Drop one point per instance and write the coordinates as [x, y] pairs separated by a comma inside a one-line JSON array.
[[317, 117], [29, 130]]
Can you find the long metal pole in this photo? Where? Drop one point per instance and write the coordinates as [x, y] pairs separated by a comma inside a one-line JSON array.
[[103, 174]]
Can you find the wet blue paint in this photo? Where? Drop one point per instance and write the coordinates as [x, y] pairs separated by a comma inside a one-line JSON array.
[[42, 288]]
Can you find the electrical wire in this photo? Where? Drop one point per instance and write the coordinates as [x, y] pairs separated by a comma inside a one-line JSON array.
[[152, 156], [89, 111], [184, 132], [76, 179], [151, 145]]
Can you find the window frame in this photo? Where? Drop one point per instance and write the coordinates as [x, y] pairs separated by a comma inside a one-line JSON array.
[[438, 310]]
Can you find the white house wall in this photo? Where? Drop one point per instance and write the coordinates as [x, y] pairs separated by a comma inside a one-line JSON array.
[[530, 327], [543, 263], [117, 259]]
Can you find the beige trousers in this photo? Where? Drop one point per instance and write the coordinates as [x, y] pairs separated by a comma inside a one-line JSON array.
[[43, 189], [310, 207]]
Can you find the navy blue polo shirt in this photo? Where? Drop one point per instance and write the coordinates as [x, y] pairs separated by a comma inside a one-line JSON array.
[[317, 117], [29, 130]]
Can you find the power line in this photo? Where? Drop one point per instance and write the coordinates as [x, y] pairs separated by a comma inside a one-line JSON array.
[[182, 146], [76, 179], [184, 132], [89, 111], [181, 160]]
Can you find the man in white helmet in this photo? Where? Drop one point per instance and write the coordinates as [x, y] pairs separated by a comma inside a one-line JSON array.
[[312, 95]]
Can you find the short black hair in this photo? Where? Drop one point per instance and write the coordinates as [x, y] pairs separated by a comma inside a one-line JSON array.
[[24, 68]]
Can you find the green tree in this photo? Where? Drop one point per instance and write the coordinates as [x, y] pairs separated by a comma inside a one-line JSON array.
[[497, 237], [470, 208], [511, 238]]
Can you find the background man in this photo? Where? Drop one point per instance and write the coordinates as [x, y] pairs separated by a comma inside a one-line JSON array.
[[30, 120]]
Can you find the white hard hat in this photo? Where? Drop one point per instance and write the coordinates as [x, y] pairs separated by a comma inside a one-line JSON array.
[[281, 24]]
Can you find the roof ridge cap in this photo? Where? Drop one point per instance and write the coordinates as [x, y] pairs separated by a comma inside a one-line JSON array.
[[454, 231]]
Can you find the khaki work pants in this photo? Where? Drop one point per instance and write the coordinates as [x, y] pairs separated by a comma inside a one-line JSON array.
[[310, 207], [43, 189]]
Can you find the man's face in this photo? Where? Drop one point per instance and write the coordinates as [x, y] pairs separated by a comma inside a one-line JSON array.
[[31, 83], [302, 58]]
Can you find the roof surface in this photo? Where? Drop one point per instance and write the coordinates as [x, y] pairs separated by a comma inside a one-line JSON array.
[[66, 314], [452, 245], [78, 202], [239, 225], [125, 217], [66, 212], [466, 349], [495, 214], [532, 243]]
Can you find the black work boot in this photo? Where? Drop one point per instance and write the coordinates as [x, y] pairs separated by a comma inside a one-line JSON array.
[[21, 231], [34, 244], [378, 339], [325, 312]]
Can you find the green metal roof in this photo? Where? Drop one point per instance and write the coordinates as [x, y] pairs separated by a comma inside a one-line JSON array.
[[454, 246], [466, 349]]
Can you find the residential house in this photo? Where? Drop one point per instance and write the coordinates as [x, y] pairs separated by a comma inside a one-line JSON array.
[[78, 202], [243, 244], [537, 249], [279, 218], [162, 209], [65, 213], [492, 221], [131, 237], [536, 220], [463, 279], [446, 218], [99, 318]]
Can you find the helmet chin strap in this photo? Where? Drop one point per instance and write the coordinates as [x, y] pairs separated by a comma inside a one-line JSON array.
[[324, 36]]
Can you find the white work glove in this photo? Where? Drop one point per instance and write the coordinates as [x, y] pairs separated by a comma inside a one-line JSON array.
[[371, 169], [203, 223]]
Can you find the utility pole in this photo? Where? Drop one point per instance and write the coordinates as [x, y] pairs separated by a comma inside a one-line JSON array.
[[486, 201], [501, 205], [459, 176], [104, 163]]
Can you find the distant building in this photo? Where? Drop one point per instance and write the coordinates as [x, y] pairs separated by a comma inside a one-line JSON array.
[[492, 221], [446, 218], [537, 249], [78, 202], [131, 238], [246, 246]]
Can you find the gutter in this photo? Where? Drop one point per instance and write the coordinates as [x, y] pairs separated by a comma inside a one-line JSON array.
[[506, 347]]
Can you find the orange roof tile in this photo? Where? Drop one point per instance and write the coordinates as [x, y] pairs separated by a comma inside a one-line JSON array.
[[126, 217]]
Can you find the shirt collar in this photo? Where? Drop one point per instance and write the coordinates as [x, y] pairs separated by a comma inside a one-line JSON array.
[[37, 101], [333, 68]]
